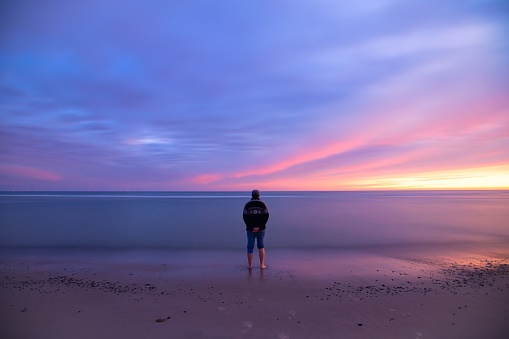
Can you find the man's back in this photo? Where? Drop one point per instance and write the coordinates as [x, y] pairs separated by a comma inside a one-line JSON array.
[[255, 214]]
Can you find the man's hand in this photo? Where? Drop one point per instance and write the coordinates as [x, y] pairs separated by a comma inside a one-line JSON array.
[[256, 229]]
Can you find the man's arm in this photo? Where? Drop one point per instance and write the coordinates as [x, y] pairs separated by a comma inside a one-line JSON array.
[[244, 216]]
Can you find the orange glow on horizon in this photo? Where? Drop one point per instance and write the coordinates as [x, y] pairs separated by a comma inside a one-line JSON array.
[[493, 177], [496, 177]]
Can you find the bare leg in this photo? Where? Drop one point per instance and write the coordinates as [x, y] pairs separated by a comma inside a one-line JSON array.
[[262, 257], [250, 260]]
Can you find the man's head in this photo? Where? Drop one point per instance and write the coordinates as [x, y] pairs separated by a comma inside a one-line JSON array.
[[255, 194]]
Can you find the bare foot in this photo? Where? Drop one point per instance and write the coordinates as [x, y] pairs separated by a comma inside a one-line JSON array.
[[250, 268], [263, 266]]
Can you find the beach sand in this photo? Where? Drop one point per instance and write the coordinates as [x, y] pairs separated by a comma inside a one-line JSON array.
[[384, 292]]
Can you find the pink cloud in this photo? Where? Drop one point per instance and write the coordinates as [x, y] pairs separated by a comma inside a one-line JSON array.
[[311, 154], [206, 178], [29, 172]]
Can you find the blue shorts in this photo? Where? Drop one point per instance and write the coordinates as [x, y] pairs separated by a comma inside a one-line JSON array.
[[251, 240]]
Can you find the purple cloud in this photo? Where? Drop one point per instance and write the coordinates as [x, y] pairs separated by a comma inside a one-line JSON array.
[[210, 95]]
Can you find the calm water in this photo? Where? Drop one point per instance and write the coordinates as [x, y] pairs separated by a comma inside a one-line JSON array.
[[213, 220]]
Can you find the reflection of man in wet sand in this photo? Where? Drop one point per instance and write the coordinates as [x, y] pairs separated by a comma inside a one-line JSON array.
[[255, 216]]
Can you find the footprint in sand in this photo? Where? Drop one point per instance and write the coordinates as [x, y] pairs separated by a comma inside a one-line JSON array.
[[283, 335], [248, 325], [291, 314]]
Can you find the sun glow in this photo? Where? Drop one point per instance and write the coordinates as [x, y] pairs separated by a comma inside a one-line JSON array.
[[477, 178]]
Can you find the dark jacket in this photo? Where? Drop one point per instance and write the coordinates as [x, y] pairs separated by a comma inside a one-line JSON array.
[[255, 214]]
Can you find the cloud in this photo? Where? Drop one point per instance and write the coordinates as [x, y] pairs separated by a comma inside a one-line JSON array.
[[28, 172]]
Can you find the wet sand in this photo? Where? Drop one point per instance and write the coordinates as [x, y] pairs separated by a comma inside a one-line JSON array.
[[385, 292]]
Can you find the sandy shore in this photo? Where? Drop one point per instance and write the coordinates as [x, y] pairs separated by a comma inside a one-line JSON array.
[[361, 293]]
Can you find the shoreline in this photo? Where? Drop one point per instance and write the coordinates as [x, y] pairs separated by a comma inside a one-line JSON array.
[[453, 293]]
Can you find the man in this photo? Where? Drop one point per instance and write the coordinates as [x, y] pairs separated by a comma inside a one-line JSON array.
[[255, 217]]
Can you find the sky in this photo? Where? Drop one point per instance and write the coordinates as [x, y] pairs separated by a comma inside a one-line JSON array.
[[236, 95]]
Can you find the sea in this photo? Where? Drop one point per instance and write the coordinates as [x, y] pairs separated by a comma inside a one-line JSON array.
[[213, 220]]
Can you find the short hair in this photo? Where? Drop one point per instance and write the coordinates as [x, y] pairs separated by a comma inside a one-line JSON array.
[[255, 193]]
